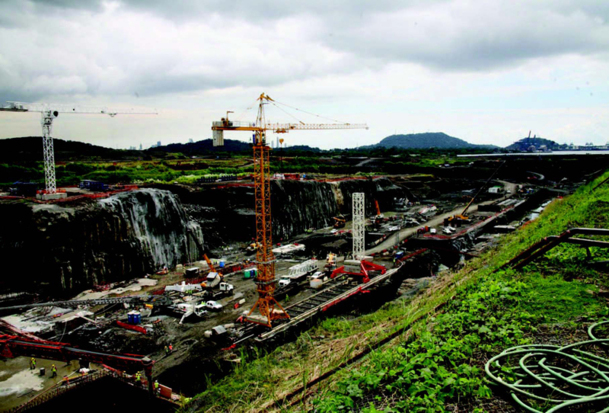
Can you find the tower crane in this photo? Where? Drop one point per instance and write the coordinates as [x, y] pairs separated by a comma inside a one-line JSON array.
[[267, 305], [48, 114]]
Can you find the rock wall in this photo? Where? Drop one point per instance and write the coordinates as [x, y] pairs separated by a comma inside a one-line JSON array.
[[64, 249], [227, 214]]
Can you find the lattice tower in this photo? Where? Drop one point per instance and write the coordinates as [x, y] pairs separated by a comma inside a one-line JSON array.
[[359, 224]]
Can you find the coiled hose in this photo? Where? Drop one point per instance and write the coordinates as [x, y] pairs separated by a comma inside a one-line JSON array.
[[569, 378]]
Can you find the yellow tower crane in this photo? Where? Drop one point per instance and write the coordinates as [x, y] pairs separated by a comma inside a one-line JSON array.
[[267, 306]]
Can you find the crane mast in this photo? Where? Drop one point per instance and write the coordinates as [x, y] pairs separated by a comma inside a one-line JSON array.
[[267, 305]]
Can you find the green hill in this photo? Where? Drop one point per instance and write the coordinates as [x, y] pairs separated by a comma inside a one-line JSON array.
[[426, 140], [203, 147], [29, 149]]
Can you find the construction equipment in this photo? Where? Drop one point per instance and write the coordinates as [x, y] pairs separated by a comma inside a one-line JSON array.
[[358, 268], [462, 216], [264, 255], [339, 221], [48, 114], [378, 210], [210, 264]]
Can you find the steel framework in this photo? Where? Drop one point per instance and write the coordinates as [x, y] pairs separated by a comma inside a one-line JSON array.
[[266, 304], [359, 224], [48, 152]]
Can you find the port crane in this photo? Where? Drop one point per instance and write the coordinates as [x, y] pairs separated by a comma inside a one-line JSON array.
[[267, 305], [49, 113]]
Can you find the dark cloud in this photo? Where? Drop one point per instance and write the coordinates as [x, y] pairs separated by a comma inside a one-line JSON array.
[[161, 47]]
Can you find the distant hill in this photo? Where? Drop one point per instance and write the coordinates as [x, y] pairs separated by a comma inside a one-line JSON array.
[[301, 148], [30, 149], [206, 146], [426, 140], [526, 144], [203, 147]]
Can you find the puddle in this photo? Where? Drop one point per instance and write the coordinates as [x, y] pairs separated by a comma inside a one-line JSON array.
[[21, 382]]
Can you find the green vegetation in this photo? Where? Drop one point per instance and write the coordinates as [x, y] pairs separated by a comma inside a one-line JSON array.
[[445, 334]]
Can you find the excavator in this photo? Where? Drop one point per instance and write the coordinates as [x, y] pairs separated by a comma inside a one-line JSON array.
[[339, 221], [210, 264]]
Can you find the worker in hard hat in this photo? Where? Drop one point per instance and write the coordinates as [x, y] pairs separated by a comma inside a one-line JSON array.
[[53, 371], [138, 379], [157, 387], [32, 363]]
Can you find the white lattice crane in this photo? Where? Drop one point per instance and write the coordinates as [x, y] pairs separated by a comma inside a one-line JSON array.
[[265, 258], [48, 113]]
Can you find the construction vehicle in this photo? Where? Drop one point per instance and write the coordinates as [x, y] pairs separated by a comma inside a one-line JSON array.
[[378, 211], [423, 230], [357, 268], [49, 113], [464, 218], [339, 221], [212, 280], [253, 247], [210, 264], [267, 305], [214, 305]]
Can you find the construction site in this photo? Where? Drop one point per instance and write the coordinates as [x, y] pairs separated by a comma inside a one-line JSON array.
[[150, 292]]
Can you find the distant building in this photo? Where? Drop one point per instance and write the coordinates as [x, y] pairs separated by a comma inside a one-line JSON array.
[[190, 140], [140, 146]]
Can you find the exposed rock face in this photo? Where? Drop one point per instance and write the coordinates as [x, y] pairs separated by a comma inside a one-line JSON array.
[[228, 214], [68, 249]]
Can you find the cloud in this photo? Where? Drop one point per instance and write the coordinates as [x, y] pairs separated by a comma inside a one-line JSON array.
[[158, 47], [411, 65]]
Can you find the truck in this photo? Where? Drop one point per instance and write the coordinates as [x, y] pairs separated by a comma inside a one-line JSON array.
[[284, 281], [212, 280], [213, 305]]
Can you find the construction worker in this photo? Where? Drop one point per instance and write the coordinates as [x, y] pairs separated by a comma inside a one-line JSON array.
[[138, 379], [53, 371], [170, 348], [166, 350], [32, 363], [157, 388]]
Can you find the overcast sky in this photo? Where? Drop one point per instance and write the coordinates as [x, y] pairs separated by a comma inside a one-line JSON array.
[[483, 71]]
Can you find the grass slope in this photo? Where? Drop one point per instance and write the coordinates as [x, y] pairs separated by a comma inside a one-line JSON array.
[[444, 335]]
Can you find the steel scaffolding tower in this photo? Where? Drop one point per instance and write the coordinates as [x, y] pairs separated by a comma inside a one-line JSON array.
[[47, 150], [359, 225]]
